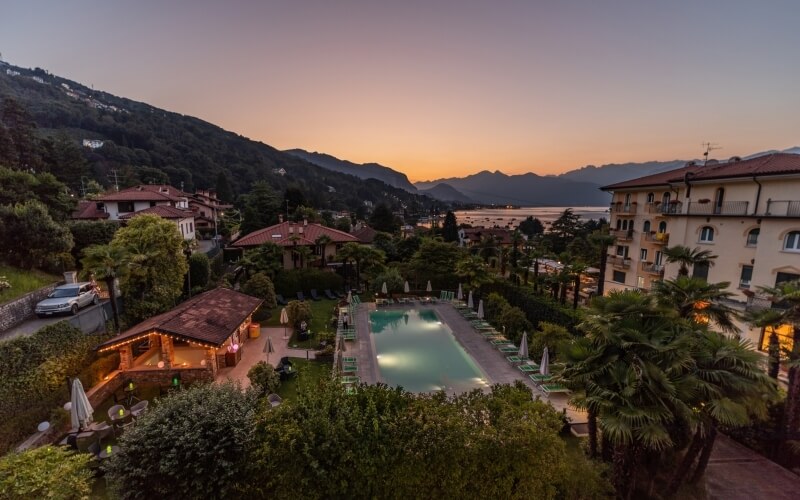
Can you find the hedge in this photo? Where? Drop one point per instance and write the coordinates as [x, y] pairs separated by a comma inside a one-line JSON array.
[[537, 308], [288, 283], [33, 376]]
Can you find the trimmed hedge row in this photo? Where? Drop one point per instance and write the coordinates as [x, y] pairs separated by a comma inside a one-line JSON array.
[[537, 308], [288, 283], [34, 372]]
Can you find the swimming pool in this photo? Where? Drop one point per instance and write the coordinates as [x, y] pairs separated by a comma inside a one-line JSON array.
[[417, 351]]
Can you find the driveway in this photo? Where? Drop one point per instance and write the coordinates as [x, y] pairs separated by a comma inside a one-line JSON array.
[[31, 326]]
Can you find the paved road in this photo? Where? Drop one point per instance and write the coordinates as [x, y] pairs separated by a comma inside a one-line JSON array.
[[32, 325]]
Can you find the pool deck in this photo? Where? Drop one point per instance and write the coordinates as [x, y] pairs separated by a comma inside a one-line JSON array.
[[492, 362]]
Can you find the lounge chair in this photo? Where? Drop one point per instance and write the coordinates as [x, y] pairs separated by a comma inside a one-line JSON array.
[[274, 400], [348, 335], [350, 360], [280, 300], [508, 348], [339, 294], [528, 368], [539, 379], [349, 390], [349, 368], [301, 297], [500, 341], [553, 389], [514, 359], [349, 379], [314, 295], [329, 294], [139, 408]]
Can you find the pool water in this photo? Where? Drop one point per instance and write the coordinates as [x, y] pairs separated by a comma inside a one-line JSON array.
[[418, 352]]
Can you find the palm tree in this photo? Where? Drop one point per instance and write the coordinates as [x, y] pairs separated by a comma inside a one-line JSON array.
[[786, 311], [321, 243], [602, 240], [107, 263], [577, 269], [471, 270], [487, 248], [303, 253], [686, 256], [697, 300]]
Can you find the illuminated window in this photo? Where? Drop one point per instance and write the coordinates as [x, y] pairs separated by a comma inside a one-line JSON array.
[[707, 235], [792, 242], [785, 335]]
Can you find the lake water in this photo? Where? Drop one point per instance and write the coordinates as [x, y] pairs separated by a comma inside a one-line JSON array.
[[511, 217]]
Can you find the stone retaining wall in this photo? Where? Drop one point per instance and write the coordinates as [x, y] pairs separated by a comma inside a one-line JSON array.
[[18, 310]]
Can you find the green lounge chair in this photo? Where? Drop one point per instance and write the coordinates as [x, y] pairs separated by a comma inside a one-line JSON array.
[[349, 379], [539, 379], [508, 348], [553, 389], [514, 359], [348, 335], [528, 368], [349, 390], [349, 360], [499, 341], [350, 368]]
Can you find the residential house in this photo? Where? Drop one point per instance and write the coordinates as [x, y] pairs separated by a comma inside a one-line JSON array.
[[184, 219], [746, 212], [173, 205], [471, 236], [293, 235], [89, 210], [365, 234], [207, 209]]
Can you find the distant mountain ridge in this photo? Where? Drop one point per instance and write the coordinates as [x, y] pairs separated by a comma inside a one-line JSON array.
[[446, 192], [361, 170]]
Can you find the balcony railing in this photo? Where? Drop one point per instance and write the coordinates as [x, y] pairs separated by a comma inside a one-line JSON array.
[[651, 268], [657, 238], [619, 261], [711, 208], [622, 234], [758, 303], [622, 208], [783, 208], [665, 208]]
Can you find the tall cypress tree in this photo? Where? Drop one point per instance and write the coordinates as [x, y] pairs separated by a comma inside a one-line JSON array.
[[450, 227], [224, 191]]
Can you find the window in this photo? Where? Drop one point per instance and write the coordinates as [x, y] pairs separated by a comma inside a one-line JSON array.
[[784, 277], [643, 254], [625, 225], [646, 227], [700, 270], [707, 234], [651, 197], [792, 242], [746, 276], [784, 334], [125, 207], [662, 227], [622, 251], [665, 198], [752, 237], [152, 203], [191, 227], [618, 277], [718, 197], [619, 224]]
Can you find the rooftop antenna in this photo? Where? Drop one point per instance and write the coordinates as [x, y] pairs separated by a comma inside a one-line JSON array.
[[709, 147]]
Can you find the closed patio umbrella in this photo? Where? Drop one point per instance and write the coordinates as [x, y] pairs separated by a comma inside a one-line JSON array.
[[406, 288], [284, 320], [480, 309], [544, 366], [429, 288], [81, 410], [384, 289], [268, 347], [460, 295], [523, 346], [470, 302], [350, 297]]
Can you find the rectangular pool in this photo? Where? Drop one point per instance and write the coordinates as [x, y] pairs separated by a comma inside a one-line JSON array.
[[418, 352]]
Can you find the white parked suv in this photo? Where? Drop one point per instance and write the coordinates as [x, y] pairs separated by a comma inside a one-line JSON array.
[[68, 299]]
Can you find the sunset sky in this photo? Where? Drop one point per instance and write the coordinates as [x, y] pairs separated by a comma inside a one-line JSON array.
[[442, 88]]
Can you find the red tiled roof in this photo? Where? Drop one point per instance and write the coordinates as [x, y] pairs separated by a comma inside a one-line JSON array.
[[163, 211], [773, 164], [503, 236], [300, 235], [146, 192], [365, 235], [88, 210], [209, 318]]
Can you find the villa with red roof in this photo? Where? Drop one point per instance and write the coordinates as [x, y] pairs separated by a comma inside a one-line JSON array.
[[323, 242]]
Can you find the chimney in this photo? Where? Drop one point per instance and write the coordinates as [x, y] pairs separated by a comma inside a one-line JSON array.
[[300, 230], [291, 228], [305, 222], [280, 218]]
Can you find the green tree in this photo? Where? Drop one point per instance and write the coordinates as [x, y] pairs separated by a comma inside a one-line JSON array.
[[18, 187], [293, 199], [696, 300], [450, 227], [472, 271], [107, 263], [436, 261], [158, 265], [382, 219], [31, 238], [21, 129], [46, 472], [266, 258], [322, 242], [88, 233], [549, 335], [213, 424], [259, 285], [342, 224], [390, 276], [199, 269], [602, 240], [64, 159], [531, 226], [224, 190], [264, 378], [298, 312], [563, 230], [261, 207], [686, 257], [514, 321]]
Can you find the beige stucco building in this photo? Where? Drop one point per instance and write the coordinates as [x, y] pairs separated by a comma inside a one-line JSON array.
[[746, 212]]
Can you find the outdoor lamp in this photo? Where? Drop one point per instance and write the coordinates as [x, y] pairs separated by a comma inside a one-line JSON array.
[[121, 412], [108, 449]]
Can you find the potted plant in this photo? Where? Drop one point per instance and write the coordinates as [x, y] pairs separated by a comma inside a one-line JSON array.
[[704, 201]]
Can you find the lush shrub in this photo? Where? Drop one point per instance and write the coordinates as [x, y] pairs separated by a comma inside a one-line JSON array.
[[537, 308], [288, 283], [259, 285], [217, 267], [263, 377], [551, 335], [199, 269], [391, 276], [193, 444], [33, 377], [298, 312], [87, 233], [46, 472]]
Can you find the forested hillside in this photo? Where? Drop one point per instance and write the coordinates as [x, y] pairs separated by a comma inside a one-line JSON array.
[[45, 120]]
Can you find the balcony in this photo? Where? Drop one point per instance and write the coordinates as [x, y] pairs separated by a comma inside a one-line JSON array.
[[620, 208], [670, 208], [783, 208], [622, 234], [656, 238], [619, 261], [651, 268], [711, 208]]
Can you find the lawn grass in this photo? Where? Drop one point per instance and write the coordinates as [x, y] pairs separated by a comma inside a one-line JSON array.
[[23, 281], [308, 371], [321, 312]]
